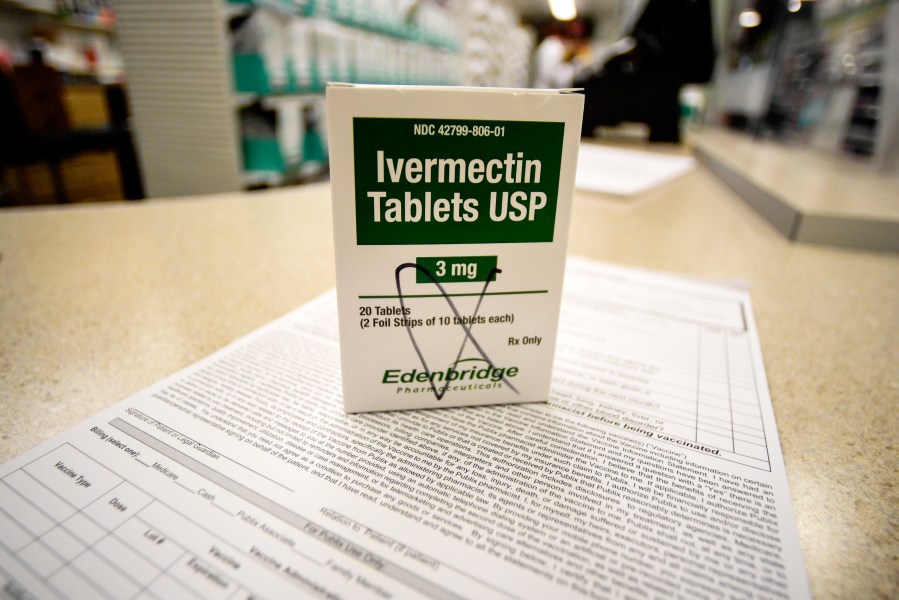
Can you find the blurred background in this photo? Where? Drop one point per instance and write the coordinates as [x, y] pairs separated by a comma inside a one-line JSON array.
[[133, 99]]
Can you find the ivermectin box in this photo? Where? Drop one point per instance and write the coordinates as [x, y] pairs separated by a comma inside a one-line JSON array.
[[451, 212]]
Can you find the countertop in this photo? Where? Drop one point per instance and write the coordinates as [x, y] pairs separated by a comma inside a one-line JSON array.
[[99, 301], [814, 182], [809, 195]]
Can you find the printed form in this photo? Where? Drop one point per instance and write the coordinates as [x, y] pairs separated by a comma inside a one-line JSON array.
[[653, 471]]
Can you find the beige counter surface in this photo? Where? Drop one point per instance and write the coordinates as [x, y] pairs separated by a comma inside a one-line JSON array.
[[814, 182], [808, 195], [97, 302]]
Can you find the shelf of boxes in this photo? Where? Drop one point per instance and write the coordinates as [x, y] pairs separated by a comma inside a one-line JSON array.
[[219, 109], [284, 53]]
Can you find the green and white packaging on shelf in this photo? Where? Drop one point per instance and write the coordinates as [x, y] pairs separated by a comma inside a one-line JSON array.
[[451, 211]]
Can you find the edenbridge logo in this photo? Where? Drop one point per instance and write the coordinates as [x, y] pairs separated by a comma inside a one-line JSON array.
[[466, 374]]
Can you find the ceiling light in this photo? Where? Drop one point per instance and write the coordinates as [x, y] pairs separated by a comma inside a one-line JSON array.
[[562, 10], [749, 18]]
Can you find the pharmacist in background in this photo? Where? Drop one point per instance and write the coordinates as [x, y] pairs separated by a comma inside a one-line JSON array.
[[553, 65]]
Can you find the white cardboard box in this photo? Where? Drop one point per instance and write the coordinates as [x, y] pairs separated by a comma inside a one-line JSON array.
[[451, 213]]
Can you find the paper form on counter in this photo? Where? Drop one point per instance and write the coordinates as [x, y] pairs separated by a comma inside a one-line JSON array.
[[626, 172], [654, 470]]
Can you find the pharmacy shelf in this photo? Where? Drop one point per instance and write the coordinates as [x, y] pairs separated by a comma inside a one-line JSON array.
[[49, 9], [332, 18], [180, 88], [187, 108], [285, 54]]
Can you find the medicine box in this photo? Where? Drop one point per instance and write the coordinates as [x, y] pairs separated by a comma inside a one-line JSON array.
[[451, 209]]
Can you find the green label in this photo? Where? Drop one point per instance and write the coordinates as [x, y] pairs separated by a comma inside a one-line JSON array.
[[452, 269], [438, 181]]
